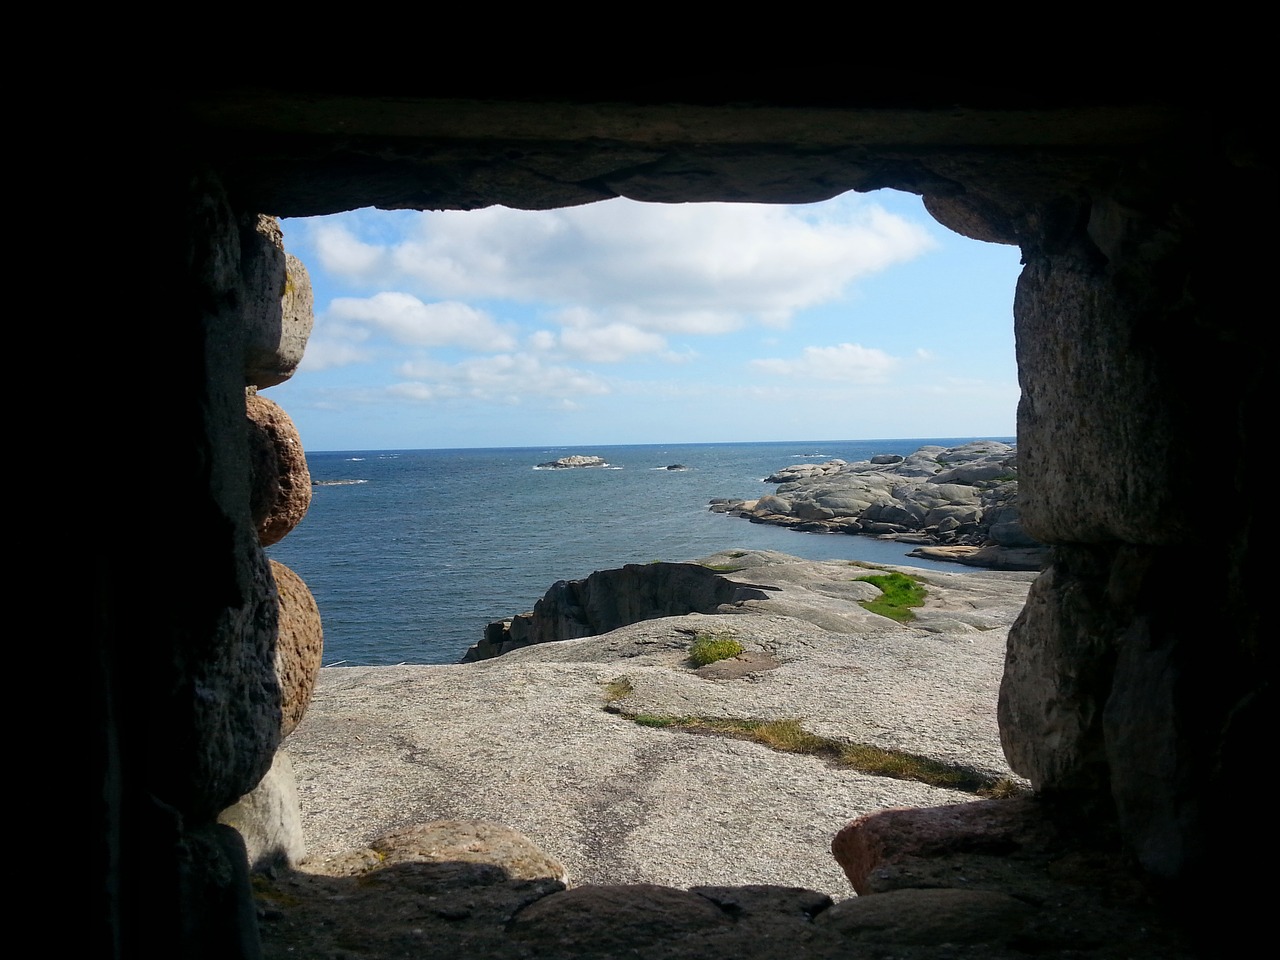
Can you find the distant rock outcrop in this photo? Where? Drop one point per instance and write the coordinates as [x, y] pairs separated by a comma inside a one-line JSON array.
[[577, 460], [963, 499], [609, 599]]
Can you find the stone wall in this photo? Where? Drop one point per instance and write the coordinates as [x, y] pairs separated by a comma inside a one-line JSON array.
[[1136, 682]]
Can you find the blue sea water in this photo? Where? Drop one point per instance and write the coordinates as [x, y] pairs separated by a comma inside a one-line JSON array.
[[410, 553]]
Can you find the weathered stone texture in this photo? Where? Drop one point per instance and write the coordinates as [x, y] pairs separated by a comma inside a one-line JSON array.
[[448, 844], [298, 316], [269, 819], [934, 916], [280, 478], [213, 718], [1096, 441], [613, 918], [278, 301], [1137, 348], [1057, 676], [299, 647], [895, 849], [608, 599]]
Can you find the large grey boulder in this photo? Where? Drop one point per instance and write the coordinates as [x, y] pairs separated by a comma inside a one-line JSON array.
[[279, 304], [269, 819], [609, 599], [1056, 676]]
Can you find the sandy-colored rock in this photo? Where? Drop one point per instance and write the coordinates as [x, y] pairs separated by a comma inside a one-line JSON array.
[[280, 491], [873, 849], [299, 646], [470, 841]]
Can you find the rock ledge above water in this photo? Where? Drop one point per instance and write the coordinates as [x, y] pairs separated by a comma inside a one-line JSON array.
[[577, 460], [958, 503]]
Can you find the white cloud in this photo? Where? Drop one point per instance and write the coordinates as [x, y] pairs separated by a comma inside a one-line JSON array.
[[542, 340], [340, 252], [671, 268], [583, 336], [502, 378], [421, 392], [847, 362], [407, 320], [325, 354], [610, 344]]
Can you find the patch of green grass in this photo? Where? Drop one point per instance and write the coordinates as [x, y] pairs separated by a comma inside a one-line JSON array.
[[788, 736], [619, 688], [898, 594], [908, 766], [1004, 789], [710, 647]]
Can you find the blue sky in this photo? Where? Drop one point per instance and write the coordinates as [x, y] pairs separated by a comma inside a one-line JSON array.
[[621, 322]]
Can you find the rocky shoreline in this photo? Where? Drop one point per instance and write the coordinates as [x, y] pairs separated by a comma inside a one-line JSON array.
[[959, 504], [525, 739], [520, 807]]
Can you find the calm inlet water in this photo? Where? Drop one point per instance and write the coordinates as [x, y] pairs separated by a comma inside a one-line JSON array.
[[410, 553]]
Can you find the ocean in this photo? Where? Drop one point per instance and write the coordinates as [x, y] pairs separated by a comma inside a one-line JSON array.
[[409, 553]]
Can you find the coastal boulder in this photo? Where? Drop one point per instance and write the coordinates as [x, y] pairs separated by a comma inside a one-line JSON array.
[[269, 819], [280, 481], [280, 305], [609, 599], [299, 646]]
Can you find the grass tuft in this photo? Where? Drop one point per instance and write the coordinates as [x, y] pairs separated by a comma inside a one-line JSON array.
[[788, 736], [898, 594], [1004, 789], [710, 647], [619, 688]]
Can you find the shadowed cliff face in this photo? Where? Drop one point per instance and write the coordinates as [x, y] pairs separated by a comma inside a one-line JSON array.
[[1135, 355], [609, 599]]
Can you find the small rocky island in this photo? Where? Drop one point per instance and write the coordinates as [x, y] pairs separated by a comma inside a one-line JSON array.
[[957, 503], [577, 460]]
